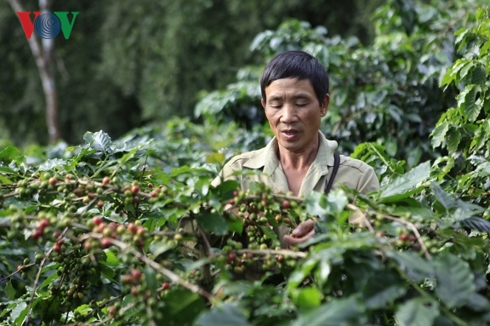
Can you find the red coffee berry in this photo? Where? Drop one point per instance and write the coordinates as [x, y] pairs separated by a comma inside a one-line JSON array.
[[57, 247], [135, 290], [132, 228], [78, 192], [231, 257], [43, 223], [404, 237], [106, 181], [136, 274], [38, 233], [112, 311], [97, 220], [106, 243]]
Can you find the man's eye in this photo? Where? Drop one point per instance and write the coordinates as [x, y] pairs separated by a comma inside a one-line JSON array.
[[301, 104]]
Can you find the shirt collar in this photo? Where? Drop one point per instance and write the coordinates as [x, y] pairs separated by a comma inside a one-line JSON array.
[[266, 158]]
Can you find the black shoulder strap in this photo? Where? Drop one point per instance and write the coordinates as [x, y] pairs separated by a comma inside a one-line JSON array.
[[336, 158]]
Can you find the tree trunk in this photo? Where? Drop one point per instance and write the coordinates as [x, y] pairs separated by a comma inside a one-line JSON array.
[[43, 53]]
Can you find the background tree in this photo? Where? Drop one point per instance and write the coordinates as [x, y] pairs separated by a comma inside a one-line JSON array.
[[44, 55], [127, 64]]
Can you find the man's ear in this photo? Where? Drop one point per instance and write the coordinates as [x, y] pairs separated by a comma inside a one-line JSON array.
[[262, 101], [324, 107]]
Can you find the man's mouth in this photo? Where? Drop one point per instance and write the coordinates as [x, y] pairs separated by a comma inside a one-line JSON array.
[[290, 132]]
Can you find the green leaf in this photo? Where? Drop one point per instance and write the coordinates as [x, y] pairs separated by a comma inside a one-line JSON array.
[[470, 106], [382, 289], [477, 223], [455, 281], [337, 200], [478, 76], [414, 211], [18, 313], [9, 153], [439, 134], [485, 48], [212, 222], [453, 140], [151, 279], [403, 183], [316, 204], [50, 279], [301, 273], [417, 312], [10, 291], [416, 268], [226, 187], [443, 197], [268, 232], [100, 141], [107, 271], [111, 258], [307, 298], [52, 164], [227, 315], [84, 309], [183, 303], [158, 248], [50, 308], [323, 271], [235, 225], [335, 313], [448, 77], [202, 185], [215, 158]]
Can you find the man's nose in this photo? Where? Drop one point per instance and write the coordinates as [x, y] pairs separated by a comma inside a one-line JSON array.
[[289, 113]]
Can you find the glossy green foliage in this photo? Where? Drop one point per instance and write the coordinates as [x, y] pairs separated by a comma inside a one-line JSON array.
[[99, 233], [387, 92]]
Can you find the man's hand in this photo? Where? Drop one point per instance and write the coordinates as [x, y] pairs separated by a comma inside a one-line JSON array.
[[304, 231]]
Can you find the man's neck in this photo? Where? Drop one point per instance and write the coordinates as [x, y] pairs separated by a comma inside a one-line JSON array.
[[300, 160]]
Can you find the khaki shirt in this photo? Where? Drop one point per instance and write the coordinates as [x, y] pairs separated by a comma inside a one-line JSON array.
[[352, 173]]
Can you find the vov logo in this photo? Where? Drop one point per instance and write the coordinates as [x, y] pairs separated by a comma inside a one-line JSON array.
[[47, 25]]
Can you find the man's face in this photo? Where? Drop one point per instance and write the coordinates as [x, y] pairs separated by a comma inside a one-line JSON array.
[[294, 114]]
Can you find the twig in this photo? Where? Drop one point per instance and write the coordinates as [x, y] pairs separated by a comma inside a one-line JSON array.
[[364, 219], [168, 273], [16, 272], [296, 254], [415, 232], [36, 281]]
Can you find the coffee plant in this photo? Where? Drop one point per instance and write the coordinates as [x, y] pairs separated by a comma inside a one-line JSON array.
[[131, 232], [385, 92], [104, 233]]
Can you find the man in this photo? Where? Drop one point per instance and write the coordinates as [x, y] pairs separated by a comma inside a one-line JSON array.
[[299, 159]]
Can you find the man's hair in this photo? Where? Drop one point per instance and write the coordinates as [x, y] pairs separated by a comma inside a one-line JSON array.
[[296, 64]]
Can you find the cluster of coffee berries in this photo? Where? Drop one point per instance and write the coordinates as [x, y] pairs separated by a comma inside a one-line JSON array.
[[131, 233], [131, 193], [40, 227]]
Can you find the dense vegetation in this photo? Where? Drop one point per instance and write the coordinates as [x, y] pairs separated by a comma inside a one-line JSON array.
[[131, 63], [129, 231]]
